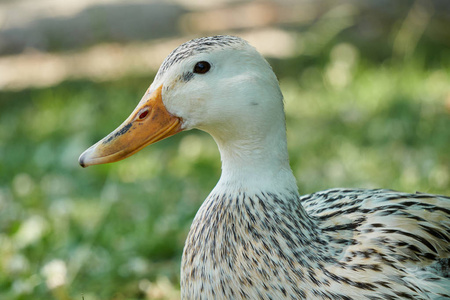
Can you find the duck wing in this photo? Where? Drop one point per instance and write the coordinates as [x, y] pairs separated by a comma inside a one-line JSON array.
[[404, 236]]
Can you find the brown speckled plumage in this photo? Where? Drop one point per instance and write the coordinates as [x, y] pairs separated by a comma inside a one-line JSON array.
[[344, 244]]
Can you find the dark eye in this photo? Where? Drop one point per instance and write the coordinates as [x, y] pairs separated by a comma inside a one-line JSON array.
[[202, 67]]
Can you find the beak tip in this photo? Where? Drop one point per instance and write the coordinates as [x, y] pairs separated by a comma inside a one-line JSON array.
[[82, 164], [81, 161], [85, 159]]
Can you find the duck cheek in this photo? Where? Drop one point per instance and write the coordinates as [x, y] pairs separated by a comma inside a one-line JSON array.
[[191, 111]]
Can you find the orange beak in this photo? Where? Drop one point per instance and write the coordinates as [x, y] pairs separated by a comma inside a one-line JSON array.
[[150, 122]]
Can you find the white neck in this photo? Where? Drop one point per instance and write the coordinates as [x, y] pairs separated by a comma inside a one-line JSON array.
[[256, 160]]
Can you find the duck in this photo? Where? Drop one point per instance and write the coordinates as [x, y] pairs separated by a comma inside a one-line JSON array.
[[255, 236]]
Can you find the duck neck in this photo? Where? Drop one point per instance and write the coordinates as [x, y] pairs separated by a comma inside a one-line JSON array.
[[255, 161]]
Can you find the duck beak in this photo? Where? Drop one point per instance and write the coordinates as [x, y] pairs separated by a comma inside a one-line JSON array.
[[150, 122]]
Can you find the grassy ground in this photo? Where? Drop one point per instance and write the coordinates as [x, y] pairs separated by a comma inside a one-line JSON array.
[[117, 231]]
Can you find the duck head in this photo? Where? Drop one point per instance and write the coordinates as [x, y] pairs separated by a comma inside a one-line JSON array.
[[220, 85]]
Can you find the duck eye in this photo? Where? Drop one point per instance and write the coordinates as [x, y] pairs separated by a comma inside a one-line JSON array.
[[202, 67]]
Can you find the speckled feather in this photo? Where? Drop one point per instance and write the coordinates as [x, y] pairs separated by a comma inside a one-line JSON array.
[[204, 44], [344, 244]]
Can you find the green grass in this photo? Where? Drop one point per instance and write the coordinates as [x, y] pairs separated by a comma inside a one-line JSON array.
[[119, 229]]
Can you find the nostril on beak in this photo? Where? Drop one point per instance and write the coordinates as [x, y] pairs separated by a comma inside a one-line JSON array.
[[143, 114]]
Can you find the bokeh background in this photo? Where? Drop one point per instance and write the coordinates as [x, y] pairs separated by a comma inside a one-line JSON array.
[[367, 93]]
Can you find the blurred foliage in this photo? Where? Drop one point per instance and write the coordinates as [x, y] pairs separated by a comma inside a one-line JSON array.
[[356, 117]]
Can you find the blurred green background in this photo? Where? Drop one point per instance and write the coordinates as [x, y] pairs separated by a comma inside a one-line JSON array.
[[367, 93]]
